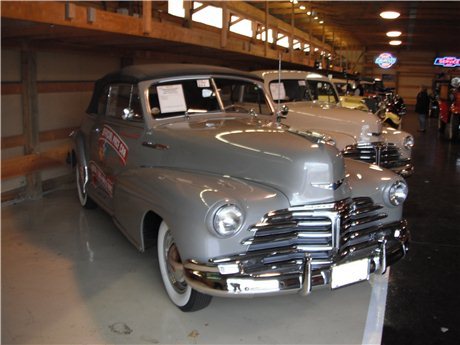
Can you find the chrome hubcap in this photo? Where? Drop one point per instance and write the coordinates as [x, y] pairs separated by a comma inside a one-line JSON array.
[[172, 260]]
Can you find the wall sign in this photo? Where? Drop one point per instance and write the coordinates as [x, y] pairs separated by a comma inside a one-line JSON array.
[[447, 61], [385, 60]]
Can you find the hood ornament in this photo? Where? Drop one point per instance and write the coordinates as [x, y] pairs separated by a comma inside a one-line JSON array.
[[329, 186]]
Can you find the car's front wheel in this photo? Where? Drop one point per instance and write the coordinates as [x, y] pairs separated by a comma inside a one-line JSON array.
[[180, 293], [80, 176]]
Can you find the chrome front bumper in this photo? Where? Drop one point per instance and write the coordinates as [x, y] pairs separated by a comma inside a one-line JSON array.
[[251, 275]]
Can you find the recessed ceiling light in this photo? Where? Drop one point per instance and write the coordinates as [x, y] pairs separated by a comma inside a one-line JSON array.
[[302, 7], [394, 33], [309, 13], [321, 21], [390, 14], [395, 43]]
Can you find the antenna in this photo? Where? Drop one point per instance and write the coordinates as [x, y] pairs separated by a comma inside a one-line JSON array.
[[279, 81]]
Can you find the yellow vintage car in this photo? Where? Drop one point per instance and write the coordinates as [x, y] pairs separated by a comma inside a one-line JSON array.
[[348, 99]]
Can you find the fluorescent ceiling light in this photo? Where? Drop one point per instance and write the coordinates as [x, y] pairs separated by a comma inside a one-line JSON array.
[[390, 14], [395, 43], [394, 33]]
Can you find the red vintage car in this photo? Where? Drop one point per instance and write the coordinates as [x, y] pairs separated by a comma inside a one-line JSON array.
[[449, 113]]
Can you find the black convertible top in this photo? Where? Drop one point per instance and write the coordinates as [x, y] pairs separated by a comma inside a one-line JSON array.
[[137, 73]]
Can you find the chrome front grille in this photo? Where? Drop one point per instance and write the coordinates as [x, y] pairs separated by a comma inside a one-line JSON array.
[[325, 232], [386, 155]]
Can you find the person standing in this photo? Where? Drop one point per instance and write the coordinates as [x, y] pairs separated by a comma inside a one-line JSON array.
[[421, 107]]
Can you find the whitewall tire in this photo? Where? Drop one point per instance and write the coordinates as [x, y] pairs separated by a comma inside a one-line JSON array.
[[180, 293]]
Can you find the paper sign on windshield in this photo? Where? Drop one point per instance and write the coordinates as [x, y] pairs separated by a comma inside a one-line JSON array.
[[277, 90], [171, 98]]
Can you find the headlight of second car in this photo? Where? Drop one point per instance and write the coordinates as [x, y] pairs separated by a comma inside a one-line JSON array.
[[227, 220], [409, 142], [397, 193]]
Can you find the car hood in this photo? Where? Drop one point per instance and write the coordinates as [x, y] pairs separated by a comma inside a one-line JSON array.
[[299, 164], [361, 125]]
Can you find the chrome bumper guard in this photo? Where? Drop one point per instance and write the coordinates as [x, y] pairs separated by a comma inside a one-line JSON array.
[[385, 155], [404, 170], [256, 274]]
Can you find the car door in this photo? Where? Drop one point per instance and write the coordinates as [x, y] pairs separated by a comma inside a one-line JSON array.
[[117, 131]]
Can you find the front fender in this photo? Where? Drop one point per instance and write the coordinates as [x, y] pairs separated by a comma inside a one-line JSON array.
[[372, 181], [398, 137], [79, 148], [186, 201]]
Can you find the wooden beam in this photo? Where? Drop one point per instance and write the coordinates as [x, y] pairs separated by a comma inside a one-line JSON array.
[[30, 117], [51, 135], [52, 13], [147, 16], [225, 26], [33, 163], [15, 88]]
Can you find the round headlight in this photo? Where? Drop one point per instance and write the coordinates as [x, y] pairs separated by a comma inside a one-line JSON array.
[[409, 142], [397, 193], [227, 220]]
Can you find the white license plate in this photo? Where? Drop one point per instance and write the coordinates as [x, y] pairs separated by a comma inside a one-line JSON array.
[[349, 273]]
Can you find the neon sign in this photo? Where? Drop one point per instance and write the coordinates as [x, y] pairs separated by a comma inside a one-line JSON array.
[[385, 60], [447, 61]]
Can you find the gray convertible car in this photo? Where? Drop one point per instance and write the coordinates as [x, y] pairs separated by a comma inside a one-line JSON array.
[[194, 160]]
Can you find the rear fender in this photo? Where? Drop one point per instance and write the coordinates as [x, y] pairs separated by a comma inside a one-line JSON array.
[[186, 201]]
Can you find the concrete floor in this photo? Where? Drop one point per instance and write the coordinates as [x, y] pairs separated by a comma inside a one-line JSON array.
[[423, 293], [69, 276]]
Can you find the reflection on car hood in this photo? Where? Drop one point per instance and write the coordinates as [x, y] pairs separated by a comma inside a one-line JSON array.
[[359, 124], [299, 165]]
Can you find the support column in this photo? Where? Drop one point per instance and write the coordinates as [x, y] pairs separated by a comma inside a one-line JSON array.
[[225, 25], [147, 16], [30, 117]]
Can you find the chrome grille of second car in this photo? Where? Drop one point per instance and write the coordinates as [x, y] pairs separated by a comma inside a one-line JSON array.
[[386, 155], [323, 231]]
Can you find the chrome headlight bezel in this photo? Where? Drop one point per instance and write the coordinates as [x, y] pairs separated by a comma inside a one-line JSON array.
[[409, 142], [226, 220], [397, 193]]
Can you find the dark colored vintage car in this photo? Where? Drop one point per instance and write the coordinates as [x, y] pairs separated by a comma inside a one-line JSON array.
[[193, 160]]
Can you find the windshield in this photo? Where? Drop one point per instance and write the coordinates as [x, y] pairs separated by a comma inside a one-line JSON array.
[[207, 95], [290, 90], [343, 88], [323, 91]]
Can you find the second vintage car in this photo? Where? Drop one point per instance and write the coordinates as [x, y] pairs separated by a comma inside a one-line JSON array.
[[191, 159], [313, 103]]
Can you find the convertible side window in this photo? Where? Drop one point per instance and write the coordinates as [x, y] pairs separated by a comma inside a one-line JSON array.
[[123, 102]]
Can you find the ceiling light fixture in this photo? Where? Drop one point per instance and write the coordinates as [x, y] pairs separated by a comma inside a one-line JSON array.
[[395, 43], [394, 33], [302, 7], [309, 13], [321, 21], [390, 14]]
